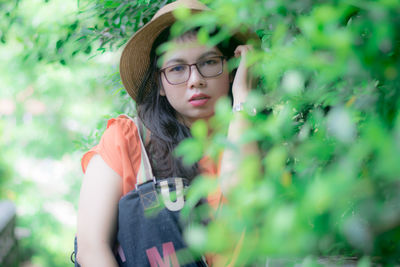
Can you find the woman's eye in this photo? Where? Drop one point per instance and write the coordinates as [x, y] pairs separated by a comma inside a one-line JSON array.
[[209, 62], [177, 68]]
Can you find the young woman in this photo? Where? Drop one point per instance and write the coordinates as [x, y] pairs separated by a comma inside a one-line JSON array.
[[172, 91]]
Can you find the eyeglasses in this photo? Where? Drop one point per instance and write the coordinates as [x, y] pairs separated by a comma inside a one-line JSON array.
[[208, 68]]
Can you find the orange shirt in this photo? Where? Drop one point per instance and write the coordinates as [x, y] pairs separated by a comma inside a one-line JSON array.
[[120, 148]]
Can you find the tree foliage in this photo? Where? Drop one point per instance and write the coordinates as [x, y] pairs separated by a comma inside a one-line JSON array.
[[44, 110], [329, 83]]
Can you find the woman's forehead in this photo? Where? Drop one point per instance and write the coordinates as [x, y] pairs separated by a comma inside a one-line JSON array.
[[187, 49]]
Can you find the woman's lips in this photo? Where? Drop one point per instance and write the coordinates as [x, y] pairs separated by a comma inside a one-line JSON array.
[[199, 100]]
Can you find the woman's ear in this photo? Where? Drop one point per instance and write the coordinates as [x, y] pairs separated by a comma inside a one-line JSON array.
[[162, 92], [160, 85]]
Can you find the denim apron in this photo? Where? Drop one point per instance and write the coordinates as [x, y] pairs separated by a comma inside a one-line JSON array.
[[149, 226]]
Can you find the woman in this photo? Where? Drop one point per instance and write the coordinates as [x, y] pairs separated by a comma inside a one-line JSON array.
[[172, 91]]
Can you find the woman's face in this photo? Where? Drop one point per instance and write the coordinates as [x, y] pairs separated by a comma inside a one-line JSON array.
[[194, 99]]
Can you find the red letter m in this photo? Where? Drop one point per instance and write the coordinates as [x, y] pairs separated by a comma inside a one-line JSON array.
[[169, 254]]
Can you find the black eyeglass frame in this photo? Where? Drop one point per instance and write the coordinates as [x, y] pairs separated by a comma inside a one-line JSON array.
[[223, 58]]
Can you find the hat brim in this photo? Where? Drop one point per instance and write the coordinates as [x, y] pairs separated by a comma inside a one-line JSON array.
[[135, 57]]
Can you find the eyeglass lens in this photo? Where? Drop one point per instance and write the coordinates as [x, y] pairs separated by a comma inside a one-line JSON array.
[[209, 67]]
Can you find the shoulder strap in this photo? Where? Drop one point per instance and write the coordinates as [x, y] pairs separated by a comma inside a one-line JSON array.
[[145, 173]]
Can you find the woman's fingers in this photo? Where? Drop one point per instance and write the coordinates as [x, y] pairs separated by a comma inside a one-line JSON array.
[[241, 50], [241, 84]]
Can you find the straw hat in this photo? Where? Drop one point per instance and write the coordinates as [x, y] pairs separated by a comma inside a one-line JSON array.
[[135, 57]]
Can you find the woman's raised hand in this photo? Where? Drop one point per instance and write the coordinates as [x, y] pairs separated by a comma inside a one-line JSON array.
[[242, 82]]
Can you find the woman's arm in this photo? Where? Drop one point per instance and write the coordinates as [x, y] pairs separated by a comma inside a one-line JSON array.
[[97, 214], [230, 162]]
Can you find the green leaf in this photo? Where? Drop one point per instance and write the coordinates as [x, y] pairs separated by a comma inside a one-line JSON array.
[[59, 44], [275, 159], [199, 129], [191, 150], [181, 13], [202, 36], [111, 4]]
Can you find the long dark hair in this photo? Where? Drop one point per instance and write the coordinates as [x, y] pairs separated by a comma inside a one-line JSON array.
[[160, 117]]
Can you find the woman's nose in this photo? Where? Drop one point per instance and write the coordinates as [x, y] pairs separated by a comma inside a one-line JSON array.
[[195, 78]]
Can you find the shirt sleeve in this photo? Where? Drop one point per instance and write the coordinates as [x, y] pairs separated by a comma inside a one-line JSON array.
[[120, 148]]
